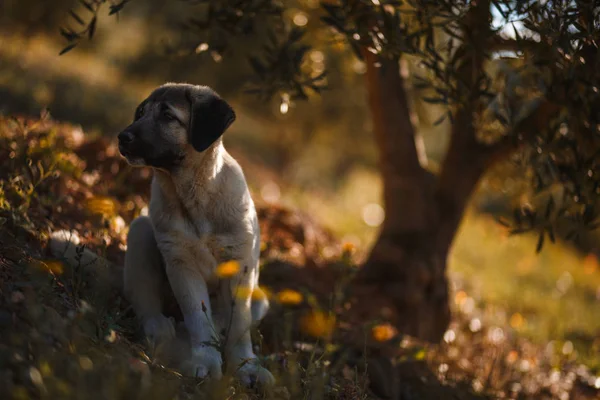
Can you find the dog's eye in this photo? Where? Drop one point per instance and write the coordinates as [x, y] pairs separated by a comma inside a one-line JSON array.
[[138, 113]]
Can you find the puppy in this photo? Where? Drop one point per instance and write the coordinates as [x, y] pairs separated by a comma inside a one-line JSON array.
[[201, 215]]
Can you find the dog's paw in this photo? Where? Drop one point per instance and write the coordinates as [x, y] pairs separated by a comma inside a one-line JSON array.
[[250, 373], [159, 329], [206, 362]]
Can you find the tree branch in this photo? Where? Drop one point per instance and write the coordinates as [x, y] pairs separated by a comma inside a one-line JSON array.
[[466, 158], [404, 178], [498, 43]]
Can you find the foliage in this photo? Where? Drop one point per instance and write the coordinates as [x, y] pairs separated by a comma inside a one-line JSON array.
[[212, 28], [551, 61], [88, 28], [32, 161]]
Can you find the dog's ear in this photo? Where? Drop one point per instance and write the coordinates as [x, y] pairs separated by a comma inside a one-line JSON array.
[[210, 116]]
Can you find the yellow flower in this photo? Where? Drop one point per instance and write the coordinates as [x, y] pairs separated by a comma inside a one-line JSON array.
[[289, 296], [227, 269], [512, 356], [383, 332], [517, 320], [101, 205], [420, 355], [243, 292], [260, 293], [318, 324], [348, 248], [460, 297], [256, 294]]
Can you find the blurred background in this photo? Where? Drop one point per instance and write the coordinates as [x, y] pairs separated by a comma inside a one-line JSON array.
[[316, 155]]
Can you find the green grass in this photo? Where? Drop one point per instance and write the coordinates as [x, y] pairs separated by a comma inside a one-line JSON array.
[[556, 291]]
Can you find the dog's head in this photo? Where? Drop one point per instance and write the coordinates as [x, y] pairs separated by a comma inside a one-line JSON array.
[[174, 119]]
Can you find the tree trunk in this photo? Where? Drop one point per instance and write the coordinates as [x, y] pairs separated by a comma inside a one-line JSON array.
[[406, 264], [408, 261]]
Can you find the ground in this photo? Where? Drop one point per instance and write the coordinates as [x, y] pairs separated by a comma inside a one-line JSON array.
[[62, 337]]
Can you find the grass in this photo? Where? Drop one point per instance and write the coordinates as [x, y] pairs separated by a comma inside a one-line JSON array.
[[551, 296]]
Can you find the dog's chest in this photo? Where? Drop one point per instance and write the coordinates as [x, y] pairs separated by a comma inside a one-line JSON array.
[[213, 235]]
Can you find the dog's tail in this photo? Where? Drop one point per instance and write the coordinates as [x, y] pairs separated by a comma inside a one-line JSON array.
[[66, 246]]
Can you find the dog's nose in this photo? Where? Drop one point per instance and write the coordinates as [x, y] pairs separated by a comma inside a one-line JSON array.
[[126, 137]]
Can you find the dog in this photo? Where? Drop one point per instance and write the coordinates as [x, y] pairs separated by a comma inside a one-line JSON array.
[[201, 215]]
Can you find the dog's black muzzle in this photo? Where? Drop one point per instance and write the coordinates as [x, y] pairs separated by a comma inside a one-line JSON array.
[[128, 144]]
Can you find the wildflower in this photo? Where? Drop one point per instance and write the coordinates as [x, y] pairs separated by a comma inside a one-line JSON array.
[[243, 292], [318, 324], [227, 269], [260, 293], [517, 320], [512, 356], [460, 297], [348, 248], [289, 296], [383, 332], [101, 205]]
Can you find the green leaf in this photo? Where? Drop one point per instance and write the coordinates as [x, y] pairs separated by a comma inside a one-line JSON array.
[[67, 49], [551, 234], [115, 8], [92, 27], [68, 34], [435, 100], [334, 23], [76, 17], [540, 243], [257, 66], [549, 207], [440, 119], [87, 5], [503, 222]]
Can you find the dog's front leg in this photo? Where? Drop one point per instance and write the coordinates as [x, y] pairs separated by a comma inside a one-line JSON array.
[[184, 265], [236, 299]]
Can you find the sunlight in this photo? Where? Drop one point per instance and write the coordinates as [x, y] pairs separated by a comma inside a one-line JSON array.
[[373, 214]]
